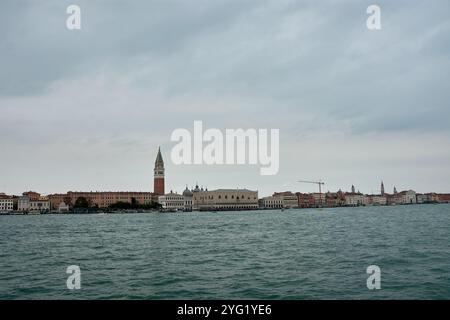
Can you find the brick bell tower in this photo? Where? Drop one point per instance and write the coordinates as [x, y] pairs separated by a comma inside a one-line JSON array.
[[158, 180]]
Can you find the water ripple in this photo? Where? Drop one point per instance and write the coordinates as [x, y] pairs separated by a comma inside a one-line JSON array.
[[295, 254]]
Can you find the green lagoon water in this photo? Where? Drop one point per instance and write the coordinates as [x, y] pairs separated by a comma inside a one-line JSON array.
[[294, 254]]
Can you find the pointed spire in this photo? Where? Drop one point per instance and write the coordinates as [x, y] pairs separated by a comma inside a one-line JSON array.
[[159, 159]]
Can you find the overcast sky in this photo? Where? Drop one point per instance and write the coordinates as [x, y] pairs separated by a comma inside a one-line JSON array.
[[87, 109]]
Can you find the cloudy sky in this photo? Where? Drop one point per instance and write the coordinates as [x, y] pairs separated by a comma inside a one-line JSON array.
[[87, 109]]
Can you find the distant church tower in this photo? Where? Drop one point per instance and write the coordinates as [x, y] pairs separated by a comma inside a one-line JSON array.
[[353, 189], [158, 180], [382, 188]]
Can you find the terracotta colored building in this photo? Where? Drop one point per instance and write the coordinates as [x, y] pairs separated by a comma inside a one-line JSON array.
[[34, 196], [444, 197], [335, 199], [305, 200], [432, 197]]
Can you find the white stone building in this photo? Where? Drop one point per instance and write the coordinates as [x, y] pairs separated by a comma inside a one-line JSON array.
[[377, 200], [225, 199], [63, 208], [172, 201], [6, 204], [271, 202], [25, 204], [421, 198], [408, 197], [39, 206], [354, 199]]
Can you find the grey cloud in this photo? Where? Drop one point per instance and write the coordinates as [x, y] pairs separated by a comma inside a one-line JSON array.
[[142, 68]]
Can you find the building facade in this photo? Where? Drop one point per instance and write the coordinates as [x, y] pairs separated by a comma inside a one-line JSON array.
[[444, 197], [393, 199], [377, 200], [39, 206], [408, 197], [432, 197], [225, 199], [354, 199], [172, 201], [290, 199], [25, 204], [6, 203], [305, 200], [319, 199], [335, 199], [32, 195], [271, 203], [57, 198], [63, 208]]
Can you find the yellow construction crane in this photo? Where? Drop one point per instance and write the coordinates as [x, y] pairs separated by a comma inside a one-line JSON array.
[[320, 183]]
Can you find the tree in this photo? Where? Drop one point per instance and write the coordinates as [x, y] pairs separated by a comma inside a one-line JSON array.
[[81, 202], [120, 205]]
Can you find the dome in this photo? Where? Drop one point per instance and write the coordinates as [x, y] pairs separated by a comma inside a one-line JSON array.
[[187, 193]]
